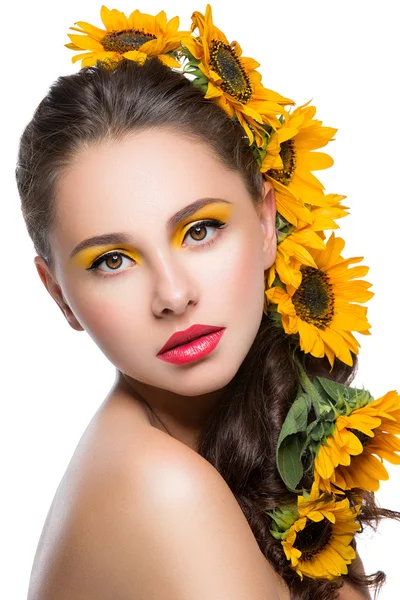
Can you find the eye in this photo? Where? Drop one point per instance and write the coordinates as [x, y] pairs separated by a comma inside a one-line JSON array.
[[113, 259], [202, 225]]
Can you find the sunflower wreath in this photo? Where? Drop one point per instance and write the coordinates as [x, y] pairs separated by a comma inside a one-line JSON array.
[[338, 434]]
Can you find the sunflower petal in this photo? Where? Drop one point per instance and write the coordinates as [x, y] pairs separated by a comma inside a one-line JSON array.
[[85, 43]]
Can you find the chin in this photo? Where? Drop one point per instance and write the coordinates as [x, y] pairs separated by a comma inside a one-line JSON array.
[[214, 371]]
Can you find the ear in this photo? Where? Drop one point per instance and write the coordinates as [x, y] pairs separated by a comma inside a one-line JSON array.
[[50, 282], [267, 215]]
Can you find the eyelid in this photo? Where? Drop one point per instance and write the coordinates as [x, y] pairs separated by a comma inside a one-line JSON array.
[[213, 223], [87, 257], [219, 210], [97, 261]]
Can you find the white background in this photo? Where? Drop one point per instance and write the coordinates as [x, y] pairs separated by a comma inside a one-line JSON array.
[[344, 55]]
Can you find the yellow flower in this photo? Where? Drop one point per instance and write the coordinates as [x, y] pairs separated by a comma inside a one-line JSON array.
[[321, 309], [347, 460], [134, 38], [318, 542], [292, 251], [233, 81], [323, 217], [290, 160]]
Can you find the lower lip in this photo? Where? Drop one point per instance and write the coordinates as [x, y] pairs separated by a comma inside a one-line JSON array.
[[193, 351]]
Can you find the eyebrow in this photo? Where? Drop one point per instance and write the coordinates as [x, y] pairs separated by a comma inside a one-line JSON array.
[[124, 238]]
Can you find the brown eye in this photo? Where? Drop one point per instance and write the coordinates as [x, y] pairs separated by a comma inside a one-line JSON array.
[[198, 232], [195, 230], [112, 260]]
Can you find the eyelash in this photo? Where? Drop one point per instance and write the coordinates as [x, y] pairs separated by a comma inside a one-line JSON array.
[[206, 223]]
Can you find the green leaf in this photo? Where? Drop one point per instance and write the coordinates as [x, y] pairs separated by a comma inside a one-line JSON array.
[[296, 418], [259, 153], [281, 223], [275, 316], [332, 388], [203, 86], [194, 71], [189, 55], [329, 428], [283, 519], [289, 462], [278, 535], [345, 398], [292, 442], [317, 431]]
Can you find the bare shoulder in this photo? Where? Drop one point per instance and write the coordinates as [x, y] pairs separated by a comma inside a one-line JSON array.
[[164, 525], [172, 529], [348, 591]]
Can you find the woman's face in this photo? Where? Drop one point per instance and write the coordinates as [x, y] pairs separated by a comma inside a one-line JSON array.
[[162, 277]]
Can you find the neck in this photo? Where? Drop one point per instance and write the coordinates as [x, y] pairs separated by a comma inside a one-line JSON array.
[[181, 417]]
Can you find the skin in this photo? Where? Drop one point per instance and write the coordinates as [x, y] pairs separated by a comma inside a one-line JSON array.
[[165, 283], [168, 281]]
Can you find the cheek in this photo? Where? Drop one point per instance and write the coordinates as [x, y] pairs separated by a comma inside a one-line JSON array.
[[243, 274], [101, 318], [104, 311], [116, 323], [117, 318]]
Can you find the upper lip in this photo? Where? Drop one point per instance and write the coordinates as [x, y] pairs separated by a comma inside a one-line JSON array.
[[187, 335]]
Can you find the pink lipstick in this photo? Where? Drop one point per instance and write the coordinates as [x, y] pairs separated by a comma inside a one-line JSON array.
[[191, 344]]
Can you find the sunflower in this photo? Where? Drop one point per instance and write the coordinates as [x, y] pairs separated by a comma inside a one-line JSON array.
[[292, 250], [291, 253], [323, 217], [347, 458], [232, 79], [318, 542], [288, 205], [321, 309], [134, 38], [290, 159]]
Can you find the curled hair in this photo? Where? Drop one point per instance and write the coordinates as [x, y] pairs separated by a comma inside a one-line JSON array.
[[239, 438]]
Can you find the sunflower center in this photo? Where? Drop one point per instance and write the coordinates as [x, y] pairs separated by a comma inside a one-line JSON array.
[[314, 298], [288, 156], [363, 437], [225, 62], [128, 39], [313, 538]]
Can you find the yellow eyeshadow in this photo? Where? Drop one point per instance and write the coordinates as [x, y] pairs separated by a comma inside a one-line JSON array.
[[86, 257], [220, 211]]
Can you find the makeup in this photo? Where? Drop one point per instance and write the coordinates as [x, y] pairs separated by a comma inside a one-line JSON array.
[[219, 211], [89, 250], [194, 350], [85, 258]]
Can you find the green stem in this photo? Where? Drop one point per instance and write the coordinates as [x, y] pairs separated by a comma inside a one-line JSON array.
[[308, 387]]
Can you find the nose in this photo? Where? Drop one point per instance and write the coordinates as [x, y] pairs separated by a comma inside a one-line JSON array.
[[174, 287]]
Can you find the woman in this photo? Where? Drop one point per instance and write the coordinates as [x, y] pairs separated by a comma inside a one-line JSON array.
[[174, 490]]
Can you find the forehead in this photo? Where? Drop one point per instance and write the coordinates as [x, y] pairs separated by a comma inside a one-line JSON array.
[[145, 177], [140, 164]]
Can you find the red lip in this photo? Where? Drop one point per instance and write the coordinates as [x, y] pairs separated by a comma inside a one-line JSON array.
[[182, 337]]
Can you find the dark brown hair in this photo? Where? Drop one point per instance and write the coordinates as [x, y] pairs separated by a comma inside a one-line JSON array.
[[240, 436]]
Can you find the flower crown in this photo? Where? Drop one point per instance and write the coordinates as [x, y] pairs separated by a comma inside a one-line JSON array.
[[338, 434]]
